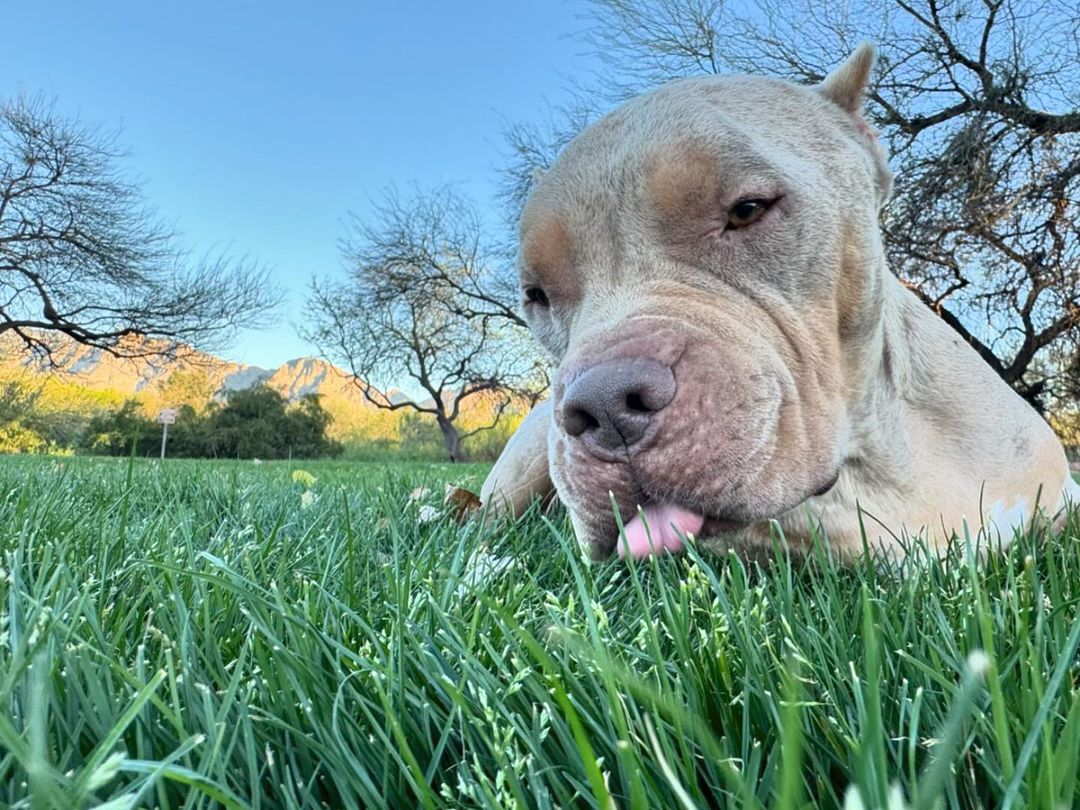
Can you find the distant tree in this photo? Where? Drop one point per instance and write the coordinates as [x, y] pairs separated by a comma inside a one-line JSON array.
[[187, 386], [306, 424], [434, 242], [979, 106], [18, 403], [18, 399], [424, 303], [55, 410], [119, 432], [252, 423], [420, 436], [82, 257], [1066, 422], [258, 422]]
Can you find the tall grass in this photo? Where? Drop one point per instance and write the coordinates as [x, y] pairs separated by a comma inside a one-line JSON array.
[[205, 634]]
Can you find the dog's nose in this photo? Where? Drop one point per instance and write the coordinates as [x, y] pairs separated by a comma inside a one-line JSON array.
[[611, 405]]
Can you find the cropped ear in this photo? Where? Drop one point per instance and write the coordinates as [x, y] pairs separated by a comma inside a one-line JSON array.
[[521, 473], [846, 86]]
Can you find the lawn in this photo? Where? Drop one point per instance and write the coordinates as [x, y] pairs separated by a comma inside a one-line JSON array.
[[201, 634]]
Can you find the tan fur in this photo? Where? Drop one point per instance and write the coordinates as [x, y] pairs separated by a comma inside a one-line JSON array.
[[682, 185], [853, 289], [797, 355], [547, 248]]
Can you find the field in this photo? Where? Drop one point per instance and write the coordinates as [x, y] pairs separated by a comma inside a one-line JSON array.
[[203, 634]]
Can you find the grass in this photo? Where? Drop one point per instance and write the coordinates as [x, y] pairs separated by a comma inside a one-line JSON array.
[[203, 634]]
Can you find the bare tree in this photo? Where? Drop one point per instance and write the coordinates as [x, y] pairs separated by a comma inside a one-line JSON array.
[[435, 241], [421, 302], [979, 104], [83, 259]]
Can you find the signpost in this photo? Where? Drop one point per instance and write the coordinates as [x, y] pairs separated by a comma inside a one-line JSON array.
[[166, 417]]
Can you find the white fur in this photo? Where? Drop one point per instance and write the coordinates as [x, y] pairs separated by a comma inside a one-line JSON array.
[[923, 430]]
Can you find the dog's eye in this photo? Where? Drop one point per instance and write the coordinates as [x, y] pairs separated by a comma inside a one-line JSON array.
[[536, 295], [746, 212]]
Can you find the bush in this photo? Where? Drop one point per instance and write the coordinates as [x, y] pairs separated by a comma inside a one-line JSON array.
[[117, 433], [253, 423], [16, 437]]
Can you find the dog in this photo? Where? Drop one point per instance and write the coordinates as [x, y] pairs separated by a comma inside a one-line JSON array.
[[705, 265]]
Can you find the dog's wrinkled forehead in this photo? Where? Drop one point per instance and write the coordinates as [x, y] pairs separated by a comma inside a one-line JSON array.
[[722, 134]]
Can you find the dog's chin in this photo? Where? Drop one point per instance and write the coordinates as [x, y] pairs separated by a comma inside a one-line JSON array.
[[719, 527]]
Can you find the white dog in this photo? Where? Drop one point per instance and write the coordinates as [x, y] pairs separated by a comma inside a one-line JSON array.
[[706, 265]]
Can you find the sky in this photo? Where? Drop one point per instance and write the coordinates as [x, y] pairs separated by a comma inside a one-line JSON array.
[[257, 127]]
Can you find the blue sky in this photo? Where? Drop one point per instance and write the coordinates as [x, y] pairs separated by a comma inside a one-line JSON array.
[[257, 126]]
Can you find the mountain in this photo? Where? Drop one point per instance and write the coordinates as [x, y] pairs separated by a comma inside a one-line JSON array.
[[83, 381], [100, 371]]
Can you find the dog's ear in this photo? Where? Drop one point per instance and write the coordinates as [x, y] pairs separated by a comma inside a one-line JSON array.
[[521, 473], [846, 86]]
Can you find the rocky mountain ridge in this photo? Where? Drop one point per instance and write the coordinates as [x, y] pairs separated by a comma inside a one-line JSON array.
[[99, 370]]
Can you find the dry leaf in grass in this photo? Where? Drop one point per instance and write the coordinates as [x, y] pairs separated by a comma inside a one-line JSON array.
[[461, 501]]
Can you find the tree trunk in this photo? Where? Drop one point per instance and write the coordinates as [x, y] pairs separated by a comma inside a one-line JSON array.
[[451, 439]]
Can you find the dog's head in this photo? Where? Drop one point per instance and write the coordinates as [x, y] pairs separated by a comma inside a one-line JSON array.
[[700, 263]]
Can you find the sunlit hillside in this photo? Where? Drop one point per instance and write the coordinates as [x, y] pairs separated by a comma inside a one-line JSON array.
[[82, 382]]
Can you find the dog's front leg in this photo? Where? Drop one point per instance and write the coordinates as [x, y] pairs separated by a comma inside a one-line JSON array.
[[521, 474]]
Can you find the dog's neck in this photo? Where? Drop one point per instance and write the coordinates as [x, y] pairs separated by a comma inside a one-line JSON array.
[[930, 381], [930, 421]]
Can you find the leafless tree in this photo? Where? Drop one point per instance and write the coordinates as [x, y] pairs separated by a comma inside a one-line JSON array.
[[435, 241], [83, 258], [979, 104], [421, 302]]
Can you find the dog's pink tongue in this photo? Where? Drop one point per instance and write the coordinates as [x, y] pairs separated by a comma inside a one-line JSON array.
[[665, 521]]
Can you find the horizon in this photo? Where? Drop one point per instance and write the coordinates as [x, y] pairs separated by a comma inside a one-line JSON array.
[[196, 94]]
